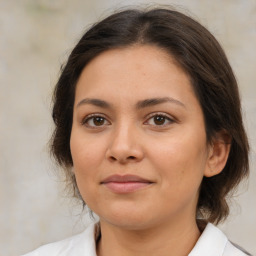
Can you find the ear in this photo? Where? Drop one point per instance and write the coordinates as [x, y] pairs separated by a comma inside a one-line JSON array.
[[218, 154]]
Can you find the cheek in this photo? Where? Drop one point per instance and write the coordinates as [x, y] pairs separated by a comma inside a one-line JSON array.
[[87, 157], [86, 152], [181, 161], [85, 166]]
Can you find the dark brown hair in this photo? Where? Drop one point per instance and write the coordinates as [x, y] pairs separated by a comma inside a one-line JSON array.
[[201, 57]]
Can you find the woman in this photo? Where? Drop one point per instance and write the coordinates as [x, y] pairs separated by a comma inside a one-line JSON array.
[[149, 131]]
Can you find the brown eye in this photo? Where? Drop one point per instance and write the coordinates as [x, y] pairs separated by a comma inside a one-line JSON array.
[[98, 121], [159, 120], [95, 121]]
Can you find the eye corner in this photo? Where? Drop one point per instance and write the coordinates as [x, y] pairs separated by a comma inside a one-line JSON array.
[[164, 119], [95, 121]]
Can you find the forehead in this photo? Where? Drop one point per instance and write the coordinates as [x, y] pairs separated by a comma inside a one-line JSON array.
[[136, 71]]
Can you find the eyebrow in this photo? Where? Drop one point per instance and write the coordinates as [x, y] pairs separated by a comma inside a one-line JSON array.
[[139, 105], [95, 102], [156, 101]]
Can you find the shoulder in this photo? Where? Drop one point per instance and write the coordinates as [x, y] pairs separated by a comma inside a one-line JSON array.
[[81, 244], [213, 242]]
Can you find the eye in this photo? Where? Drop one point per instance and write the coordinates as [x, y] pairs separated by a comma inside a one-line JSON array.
[[159, 120], [94, 121]]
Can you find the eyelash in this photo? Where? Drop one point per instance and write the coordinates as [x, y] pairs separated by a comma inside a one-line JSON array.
[[91, 117], [153, 115], [157, 114]]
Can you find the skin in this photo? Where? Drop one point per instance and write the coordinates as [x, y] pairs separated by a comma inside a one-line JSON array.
[[173, 154]]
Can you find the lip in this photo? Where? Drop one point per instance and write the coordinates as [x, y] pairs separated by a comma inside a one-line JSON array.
[[122, 184]]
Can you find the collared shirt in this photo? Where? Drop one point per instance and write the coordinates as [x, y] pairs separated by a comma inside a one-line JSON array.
[[212, 242]]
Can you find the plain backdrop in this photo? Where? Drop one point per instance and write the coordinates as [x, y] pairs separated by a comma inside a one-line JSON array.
[[35, 38]]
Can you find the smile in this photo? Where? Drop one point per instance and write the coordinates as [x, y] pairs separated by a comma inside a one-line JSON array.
[[125, 184]]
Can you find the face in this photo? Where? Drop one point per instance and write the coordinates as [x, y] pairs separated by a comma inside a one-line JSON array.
[[138, 140]]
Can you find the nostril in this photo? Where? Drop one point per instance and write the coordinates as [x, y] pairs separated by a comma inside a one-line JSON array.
[[112, 158]]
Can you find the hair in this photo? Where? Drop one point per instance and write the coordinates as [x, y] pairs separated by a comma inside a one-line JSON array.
[[200, 55]]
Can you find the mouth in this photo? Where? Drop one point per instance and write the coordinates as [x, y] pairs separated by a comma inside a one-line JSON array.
[[125, 184]]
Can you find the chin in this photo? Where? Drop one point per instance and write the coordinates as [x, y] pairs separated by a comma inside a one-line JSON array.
[[129, 224], [129, 220]]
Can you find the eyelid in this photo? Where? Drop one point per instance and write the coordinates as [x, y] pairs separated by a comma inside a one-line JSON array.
[[148, 117], [90, 116], [167, 116]]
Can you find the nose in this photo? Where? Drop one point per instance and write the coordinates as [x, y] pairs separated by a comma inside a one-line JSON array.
[[125, 146]]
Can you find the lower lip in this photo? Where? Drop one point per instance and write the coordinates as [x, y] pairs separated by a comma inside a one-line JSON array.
[[126, 187]]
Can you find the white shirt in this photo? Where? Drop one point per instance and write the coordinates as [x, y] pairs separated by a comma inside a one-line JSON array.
[[212, 242]]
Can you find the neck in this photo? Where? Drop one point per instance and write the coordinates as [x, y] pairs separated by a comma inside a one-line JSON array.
[[168, 239]]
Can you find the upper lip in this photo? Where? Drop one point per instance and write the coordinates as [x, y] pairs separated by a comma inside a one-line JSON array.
[[125, 178]]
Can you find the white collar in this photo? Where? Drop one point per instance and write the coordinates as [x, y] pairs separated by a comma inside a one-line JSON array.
[[212, 242]]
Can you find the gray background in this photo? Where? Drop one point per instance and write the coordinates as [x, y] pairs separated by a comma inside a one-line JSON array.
[[36, 36]]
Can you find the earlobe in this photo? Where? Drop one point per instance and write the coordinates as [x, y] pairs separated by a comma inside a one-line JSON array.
[[218, 154]]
